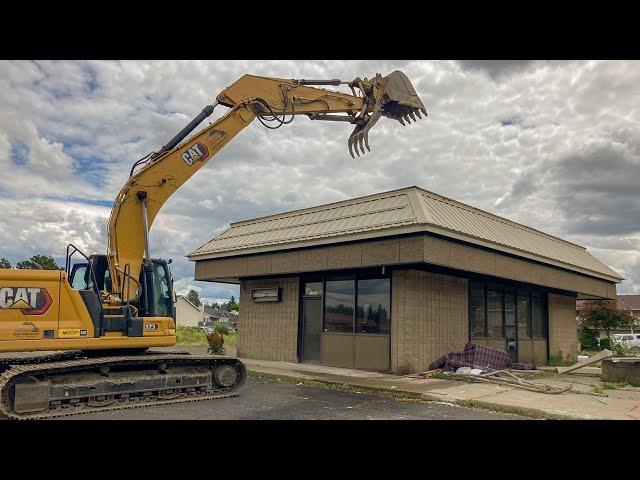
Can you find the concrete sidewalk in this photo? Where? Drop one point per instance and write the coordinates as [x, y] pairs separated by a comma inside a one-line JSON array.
[[580, 403]]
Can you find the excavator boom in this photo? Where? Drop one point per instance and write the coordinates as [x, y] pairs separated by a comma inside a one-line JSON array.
[[275, 102]]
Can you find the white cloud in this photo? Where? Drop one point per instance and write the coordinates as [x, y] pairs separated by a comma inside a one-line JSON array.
[[553, 145]]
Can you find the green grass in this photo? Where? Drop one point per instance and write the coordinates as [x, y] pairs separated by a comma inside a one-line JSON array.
[[561, 361], [231, 339], [196, 336], [190, 336]]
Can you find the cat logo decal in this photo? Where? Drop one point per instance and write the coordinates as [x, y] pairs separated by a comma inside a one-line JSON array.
[[31, 300]]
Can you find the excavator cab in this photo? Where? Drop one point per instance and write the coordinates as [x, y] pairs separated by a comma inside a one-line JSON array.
[[93, 281]]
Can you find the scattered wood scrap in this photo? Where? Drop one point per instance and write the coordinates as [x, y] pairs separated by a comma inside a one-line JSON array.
[[506, 378], [426, 374], [596, 358]]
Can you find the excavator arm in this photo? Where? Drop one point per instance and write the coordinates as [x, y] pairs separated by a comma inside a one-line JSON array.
[[275, 102]]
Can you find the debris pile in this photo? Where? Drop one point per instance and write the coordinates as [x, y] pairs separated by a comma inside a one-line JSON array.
[[482, 364], [473, 356]]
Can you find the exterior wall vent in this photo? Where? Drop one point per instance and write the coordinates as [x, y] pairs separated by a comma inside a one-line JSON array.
[[266, 294]]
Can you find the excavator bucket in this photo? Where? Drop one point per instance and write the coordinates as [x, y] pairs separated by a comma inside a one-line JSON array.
[[393, 97], [400, 100]]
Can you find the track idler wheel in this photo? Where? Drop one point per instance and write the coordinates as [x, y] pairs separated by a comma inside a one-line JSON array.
[[225, 375]]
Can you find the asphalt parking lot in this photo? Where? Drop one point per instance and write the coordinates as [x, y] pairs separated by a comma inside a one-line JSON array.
[[268, 399]]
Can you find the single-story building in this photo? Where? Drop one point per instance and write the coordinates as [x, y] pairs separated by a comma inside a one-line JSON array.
[[221, 316], [392, 281], [188, 314]]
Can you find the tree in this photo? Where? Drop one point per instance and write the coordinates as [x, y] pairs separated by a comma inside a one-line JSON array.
[[4, 263], [45, 261], [588, 339], [603, 315], [194, 298], [233, 305]]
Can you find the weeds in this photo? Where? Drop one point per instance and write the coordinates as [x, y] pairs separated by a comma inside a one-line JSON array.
[[197, 336], [190, 336], [560, 360]]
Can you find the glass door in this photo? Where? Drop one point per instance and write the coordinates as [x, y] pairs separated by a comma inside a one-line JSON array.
[[510, 332], [312, 322]]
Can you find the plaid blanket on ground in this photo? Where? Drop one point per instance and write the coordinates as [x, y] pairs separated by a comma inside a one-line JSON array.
[[474, 355]]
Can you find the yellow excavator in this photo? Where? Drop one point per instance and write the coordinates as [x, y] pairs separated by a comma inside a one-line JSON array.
[[78, 340]]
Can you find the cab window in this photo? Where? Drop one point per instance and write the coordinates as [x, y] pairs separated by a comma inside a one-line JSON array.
[[79, 275], [161, 290]]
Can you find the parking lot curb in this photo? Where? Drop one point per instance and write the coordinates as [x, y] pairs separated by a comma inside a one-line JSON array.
[[399, 392]]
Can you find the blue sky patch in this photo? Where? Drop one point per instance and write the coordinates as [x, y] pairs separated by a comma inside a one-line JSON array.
[[91, 168], [19, 152], [511, 121], [91, 201]]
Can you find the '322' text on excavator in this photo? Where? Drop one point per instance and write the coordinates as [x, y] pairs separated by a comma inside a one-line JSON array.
[[77, 340]]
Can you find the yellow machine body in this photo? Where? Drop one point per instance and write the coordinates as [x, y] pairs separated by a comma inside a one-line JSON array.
[[39, 310]]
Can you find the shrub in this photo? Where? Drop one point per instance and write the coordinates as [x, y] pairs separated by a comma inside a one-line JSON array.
[[605, 343], [622, 351], [588, 339], [222, 329], [216, 343]]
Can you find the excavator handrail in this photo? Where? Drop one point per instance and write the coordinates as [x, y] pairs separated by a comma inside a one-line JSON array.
[[89, 265]]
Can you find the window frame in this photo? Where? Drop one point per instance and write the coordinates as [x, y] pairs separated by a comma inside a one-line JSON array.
[[518, 291], [357, 304], [356, 276], [339, 278]]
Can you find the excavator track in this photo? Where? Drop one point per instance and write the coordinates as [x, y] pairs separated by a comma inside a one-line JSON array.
[[87, 385]]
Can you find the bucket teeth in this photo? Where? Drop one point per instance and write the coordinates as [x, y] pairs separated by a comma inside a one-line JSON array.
[[350, 143], [358, 141], [401, 121], [418, 114], [354, 139], [413, 117]]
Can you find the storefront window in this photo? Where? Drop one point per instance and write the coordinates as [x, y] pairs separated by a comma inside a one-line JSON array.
[[510, 322], [494, 313], [374, 306], [339, 305], [524, 315], [538, 325], [477, 310]]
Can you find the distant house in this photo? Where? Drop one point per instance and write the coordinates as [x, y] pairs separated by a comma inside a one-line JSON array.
[[221, 316], [188, 314], [630, 303]]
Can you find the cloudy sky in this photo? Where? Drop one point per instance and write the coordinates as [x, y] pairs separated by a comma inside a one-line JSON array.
[[553, 145]]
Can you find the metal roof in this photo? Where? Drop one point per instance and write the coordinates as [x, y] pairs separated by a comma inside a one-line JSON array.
[[396, 212], [629, 302]]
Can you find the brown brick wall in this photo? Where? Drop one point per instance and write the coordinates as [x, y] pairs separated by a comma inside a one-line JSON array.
[[429, 318], [269, 330], [563, 331]]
